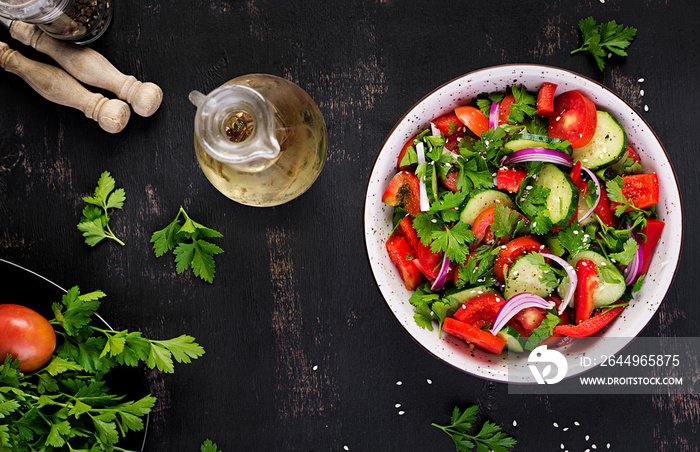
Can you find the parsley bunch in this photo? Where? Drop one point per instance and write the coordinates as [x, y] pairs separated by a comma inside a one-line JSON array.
[[94, 223], [489, 438], [209, 446], [191, 250], [604, 39], [66, 404]]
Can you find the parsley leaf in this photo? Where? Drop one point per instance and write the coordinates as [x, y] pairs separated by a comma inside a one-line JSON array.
[[95, 218], [209, 446], [523, 106], [543, 331], [507, 222], [454, 241], [605, 39], [533, 203], [573, 238], [629, 249], [190, 248], [489, 438]]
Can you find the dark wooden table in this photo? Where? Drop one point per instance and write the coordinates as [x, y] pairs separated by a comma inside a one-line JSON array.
[[302, 352]]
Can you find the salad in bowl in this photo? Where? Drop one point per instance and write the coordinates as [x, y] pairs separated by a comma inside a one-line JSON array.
[[518, 206]]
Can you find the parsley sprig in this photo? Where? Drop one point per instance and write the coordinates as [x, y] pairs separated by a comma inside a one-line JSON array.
[[489, 438], [191, 250], [606, 38], [67, 404], [94, 223], [209, 446]]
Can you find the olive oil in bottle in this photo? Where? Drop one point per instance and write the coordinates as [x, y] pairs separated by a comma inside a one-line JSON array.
[[259, 139]]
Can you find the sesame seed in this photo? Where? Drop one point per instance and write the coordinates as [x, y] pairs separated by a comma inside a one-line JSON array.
[[593, 446], [555, 425], [401, 413], [398, 383], [562, 446], [602, 1], [515, 423], [587, 437], [641, 92], [646, 108], [529, 187], [607, 446], [346, 448], [587, 450], [429, 381], [641, 80], [575, 232], [315, 367], [566, 429], [576, 423]]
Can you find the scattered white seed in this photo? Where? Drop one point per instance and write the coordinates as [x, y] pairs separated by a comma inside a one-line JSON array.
[[346, 448], [401, 413], [602, 1], [593, 446], [555, 425], [587, 450], [315, 367], [398, 405], [609, 55], [562, 446], [641, 92], [587, 437], [434, 220], [529, 187], [566, 429], [398, 383], [576, 423], [429, 381], [646, 108], [641, 80], [607, 446], [515, 423], [575, 232]]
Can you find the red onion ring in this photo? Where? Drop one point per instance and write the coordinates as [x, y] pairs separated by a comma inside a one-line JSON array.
[[424, 202], [539, 155], [634, 269], [573, 280], [493, 115], [515, 304], [597, 192], [442, 274]]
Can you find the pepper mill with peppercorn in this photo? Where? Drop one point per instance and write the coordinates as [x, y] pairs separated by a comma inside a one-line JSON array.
[[80, 21]]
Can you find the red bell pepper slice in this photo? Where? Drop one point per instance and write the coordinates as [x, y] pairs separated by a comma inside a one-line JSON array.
[[427, 261], [642, 190], [400, 255], [588, 281], [510, 179], [480, 338], [480, 310], [590, 326], [504, 109], [403, 190], [653, 234], [410, 167], [545, 99], [603, 208]]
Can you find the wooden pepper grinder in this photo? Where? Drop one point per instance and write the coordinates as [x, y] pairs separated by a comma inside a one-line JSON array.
[[58, 86], [92, 68]]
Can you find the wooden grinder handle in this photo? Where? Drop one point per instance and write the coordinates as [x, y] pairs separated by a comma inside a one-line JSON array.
[[92, 68], [58, 86]]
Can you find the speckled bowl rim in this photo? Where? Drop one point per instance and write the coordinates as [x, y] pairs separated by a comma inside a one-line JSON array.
[[482, 365]]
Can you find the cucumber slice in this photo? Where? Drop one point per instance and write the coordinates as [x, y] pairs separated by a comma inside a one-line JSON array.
[[562, 201], [482, 201], [512, 338], [612, 285], [467, 294], [524, 276], [607, 145], [530, 140]]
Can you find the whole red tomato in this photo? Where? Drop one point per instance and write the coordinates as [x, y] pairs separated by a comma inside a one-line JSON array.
[[26, 335]]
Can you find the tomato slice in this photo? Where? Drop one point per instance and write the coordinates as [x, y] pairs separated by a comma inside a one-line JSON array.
[[411, 167], [642, 190], [589, 327], [473, 118], [512, 250], [400, 255], [631, 153], [480, 338], [510, 179], [403, 190], [653, 234], [504, 109], [603, 208], [449, 124], [574, 119], [588, 281], [482, 222], [450, 180], [480, 310], [564, 319], [545, 99]]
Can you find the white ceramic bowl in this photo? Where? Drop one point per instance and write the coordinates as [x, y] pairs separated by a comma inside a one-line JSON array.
[[461, 91]]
